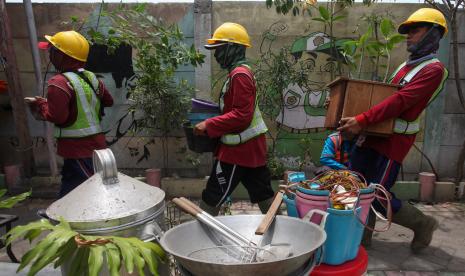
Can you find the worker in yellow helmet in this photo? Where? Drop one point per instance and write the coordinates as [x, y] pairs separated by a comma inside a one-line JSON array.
[[241, 155], [74, 103], [421, 79]]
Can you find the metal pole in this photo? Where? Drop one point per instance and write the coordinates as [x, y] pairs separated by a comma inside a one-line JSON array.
[[16, 93], [31, 27]]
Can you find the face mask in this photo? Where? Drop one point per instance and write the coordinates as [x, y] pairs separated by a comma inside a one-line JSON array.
[[56, 58], [427, 45], [228, 55]]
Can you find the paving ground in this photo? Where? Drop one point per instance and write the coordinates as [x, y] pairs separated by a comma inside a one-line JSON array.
[[389, 255]]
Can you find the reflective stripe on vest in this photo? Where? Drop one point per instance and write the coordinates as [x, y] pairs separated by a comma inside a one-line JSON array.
[[412, 127], [337, 142], [256, 127], [88, 107]]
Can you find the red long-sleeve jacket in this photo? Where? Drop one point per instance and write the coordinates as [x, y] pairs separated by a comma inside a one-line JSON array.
[[60, 108], [239, 106], [407, 103]]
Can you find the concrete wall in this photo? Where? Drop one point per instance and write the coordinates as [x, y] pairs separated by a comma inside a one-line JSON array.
[[444, 119], [51, 18]]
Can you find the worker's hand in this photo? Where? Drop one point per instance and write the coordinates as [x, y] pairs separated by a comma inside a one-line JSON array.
[[33, 100], [349, 124], [34, 107], [30, 100], [200, 129]]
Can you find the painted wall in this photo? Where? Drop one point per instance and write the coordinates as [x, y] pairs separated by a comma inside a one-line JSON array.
[[444, 117], [300, 118]]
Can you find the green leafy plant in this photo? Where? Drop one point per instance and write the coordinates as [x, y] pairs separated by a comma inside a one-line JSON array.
[[160, 100], [275, 166], [85, 254], [304, 6], [274, 71], [374, 44], [328, 14], [11, 201], [306, 144]]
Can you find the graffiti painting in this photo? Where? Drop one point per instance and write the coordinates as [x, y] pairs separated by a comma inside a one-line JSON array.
[[295, 77]]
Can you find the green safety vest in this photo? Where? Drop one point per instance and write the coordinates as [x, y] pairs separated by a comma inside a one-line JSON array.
[[412, 127], [256, 127], [88, 107]]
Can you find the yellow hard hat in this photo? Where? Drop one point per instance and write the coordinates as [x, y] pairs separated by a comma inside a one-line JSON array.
[[71, 43], [229, 32], [427, 15]]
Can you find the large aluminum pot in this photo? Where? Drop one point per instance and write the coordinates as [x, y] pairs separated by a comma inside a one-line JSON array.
[[304, 237], [110, 203]]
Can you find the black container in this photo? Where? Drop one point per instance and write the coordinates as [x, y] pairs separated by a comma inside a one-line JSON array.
[[198, 143]]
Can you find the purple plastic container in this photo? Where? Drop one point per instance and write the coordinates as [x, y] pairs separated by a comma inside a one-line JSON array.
[[198, 104]]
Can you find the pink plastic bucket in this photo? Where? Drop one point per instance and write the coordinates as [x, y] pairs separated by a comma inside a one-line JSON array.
[[306, 202], [365, 203]]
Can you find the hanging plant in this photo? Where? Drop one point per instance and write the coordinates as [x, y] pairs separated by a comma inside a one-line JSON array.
[[85, 254]]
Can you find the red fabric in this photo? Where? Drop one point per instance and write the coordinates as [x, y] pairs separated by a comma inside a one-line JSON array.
[[239, 106], [407, 103], [60, 108], [337, 142], [3, 86]]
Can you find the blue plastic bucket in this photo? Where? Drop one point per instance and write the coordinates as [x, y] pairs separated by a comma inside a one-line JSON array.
[[312, 191], [290, 204], [344, 234]]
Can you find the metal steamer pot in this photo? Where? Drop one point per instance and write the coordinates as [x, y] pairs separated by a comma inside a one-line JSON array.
[[304, 237], [112, 204]]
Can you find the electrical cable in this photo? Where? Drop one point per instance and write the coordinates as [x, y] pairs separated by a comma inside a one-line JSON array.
[[45, 78]]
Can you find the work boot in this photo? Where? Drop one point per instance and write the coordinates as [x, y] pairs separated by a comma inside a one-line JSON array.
[[264, 205], [422, 225], [368, 234], [212, 210]]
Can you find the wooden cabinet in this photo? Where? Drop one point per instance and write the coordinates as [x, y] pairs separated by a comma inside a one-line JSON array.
[[351, 97]]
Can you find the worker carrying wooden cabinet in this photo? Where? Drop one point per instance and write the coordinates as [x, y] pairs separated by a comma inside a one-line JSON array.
[[421, 79]]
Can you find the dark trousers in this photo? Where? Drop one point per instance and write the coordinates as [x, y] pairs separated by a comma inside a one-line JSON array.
[[225, 177], [379, 169], [74, 172]]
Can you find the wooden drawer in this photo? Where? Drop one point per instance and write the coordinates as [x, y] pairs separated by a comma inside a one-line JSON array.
[[352, 97]]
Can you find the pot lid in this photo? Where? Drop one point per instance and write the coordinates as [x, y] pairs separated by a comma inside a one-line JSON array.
[[107, 196]]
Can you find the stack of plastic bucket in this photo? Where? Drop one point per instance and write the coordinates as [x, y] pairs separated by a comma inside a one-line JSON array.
[[200, 111], [344, 230]]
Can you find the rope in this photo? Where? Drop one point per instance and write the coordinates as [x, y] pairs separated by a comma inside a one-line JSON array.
[[81, 242], [352, 182]]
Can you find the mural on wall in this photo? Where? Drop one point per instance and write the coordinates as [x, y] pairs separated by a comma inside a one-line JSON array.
[[296, 101]]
